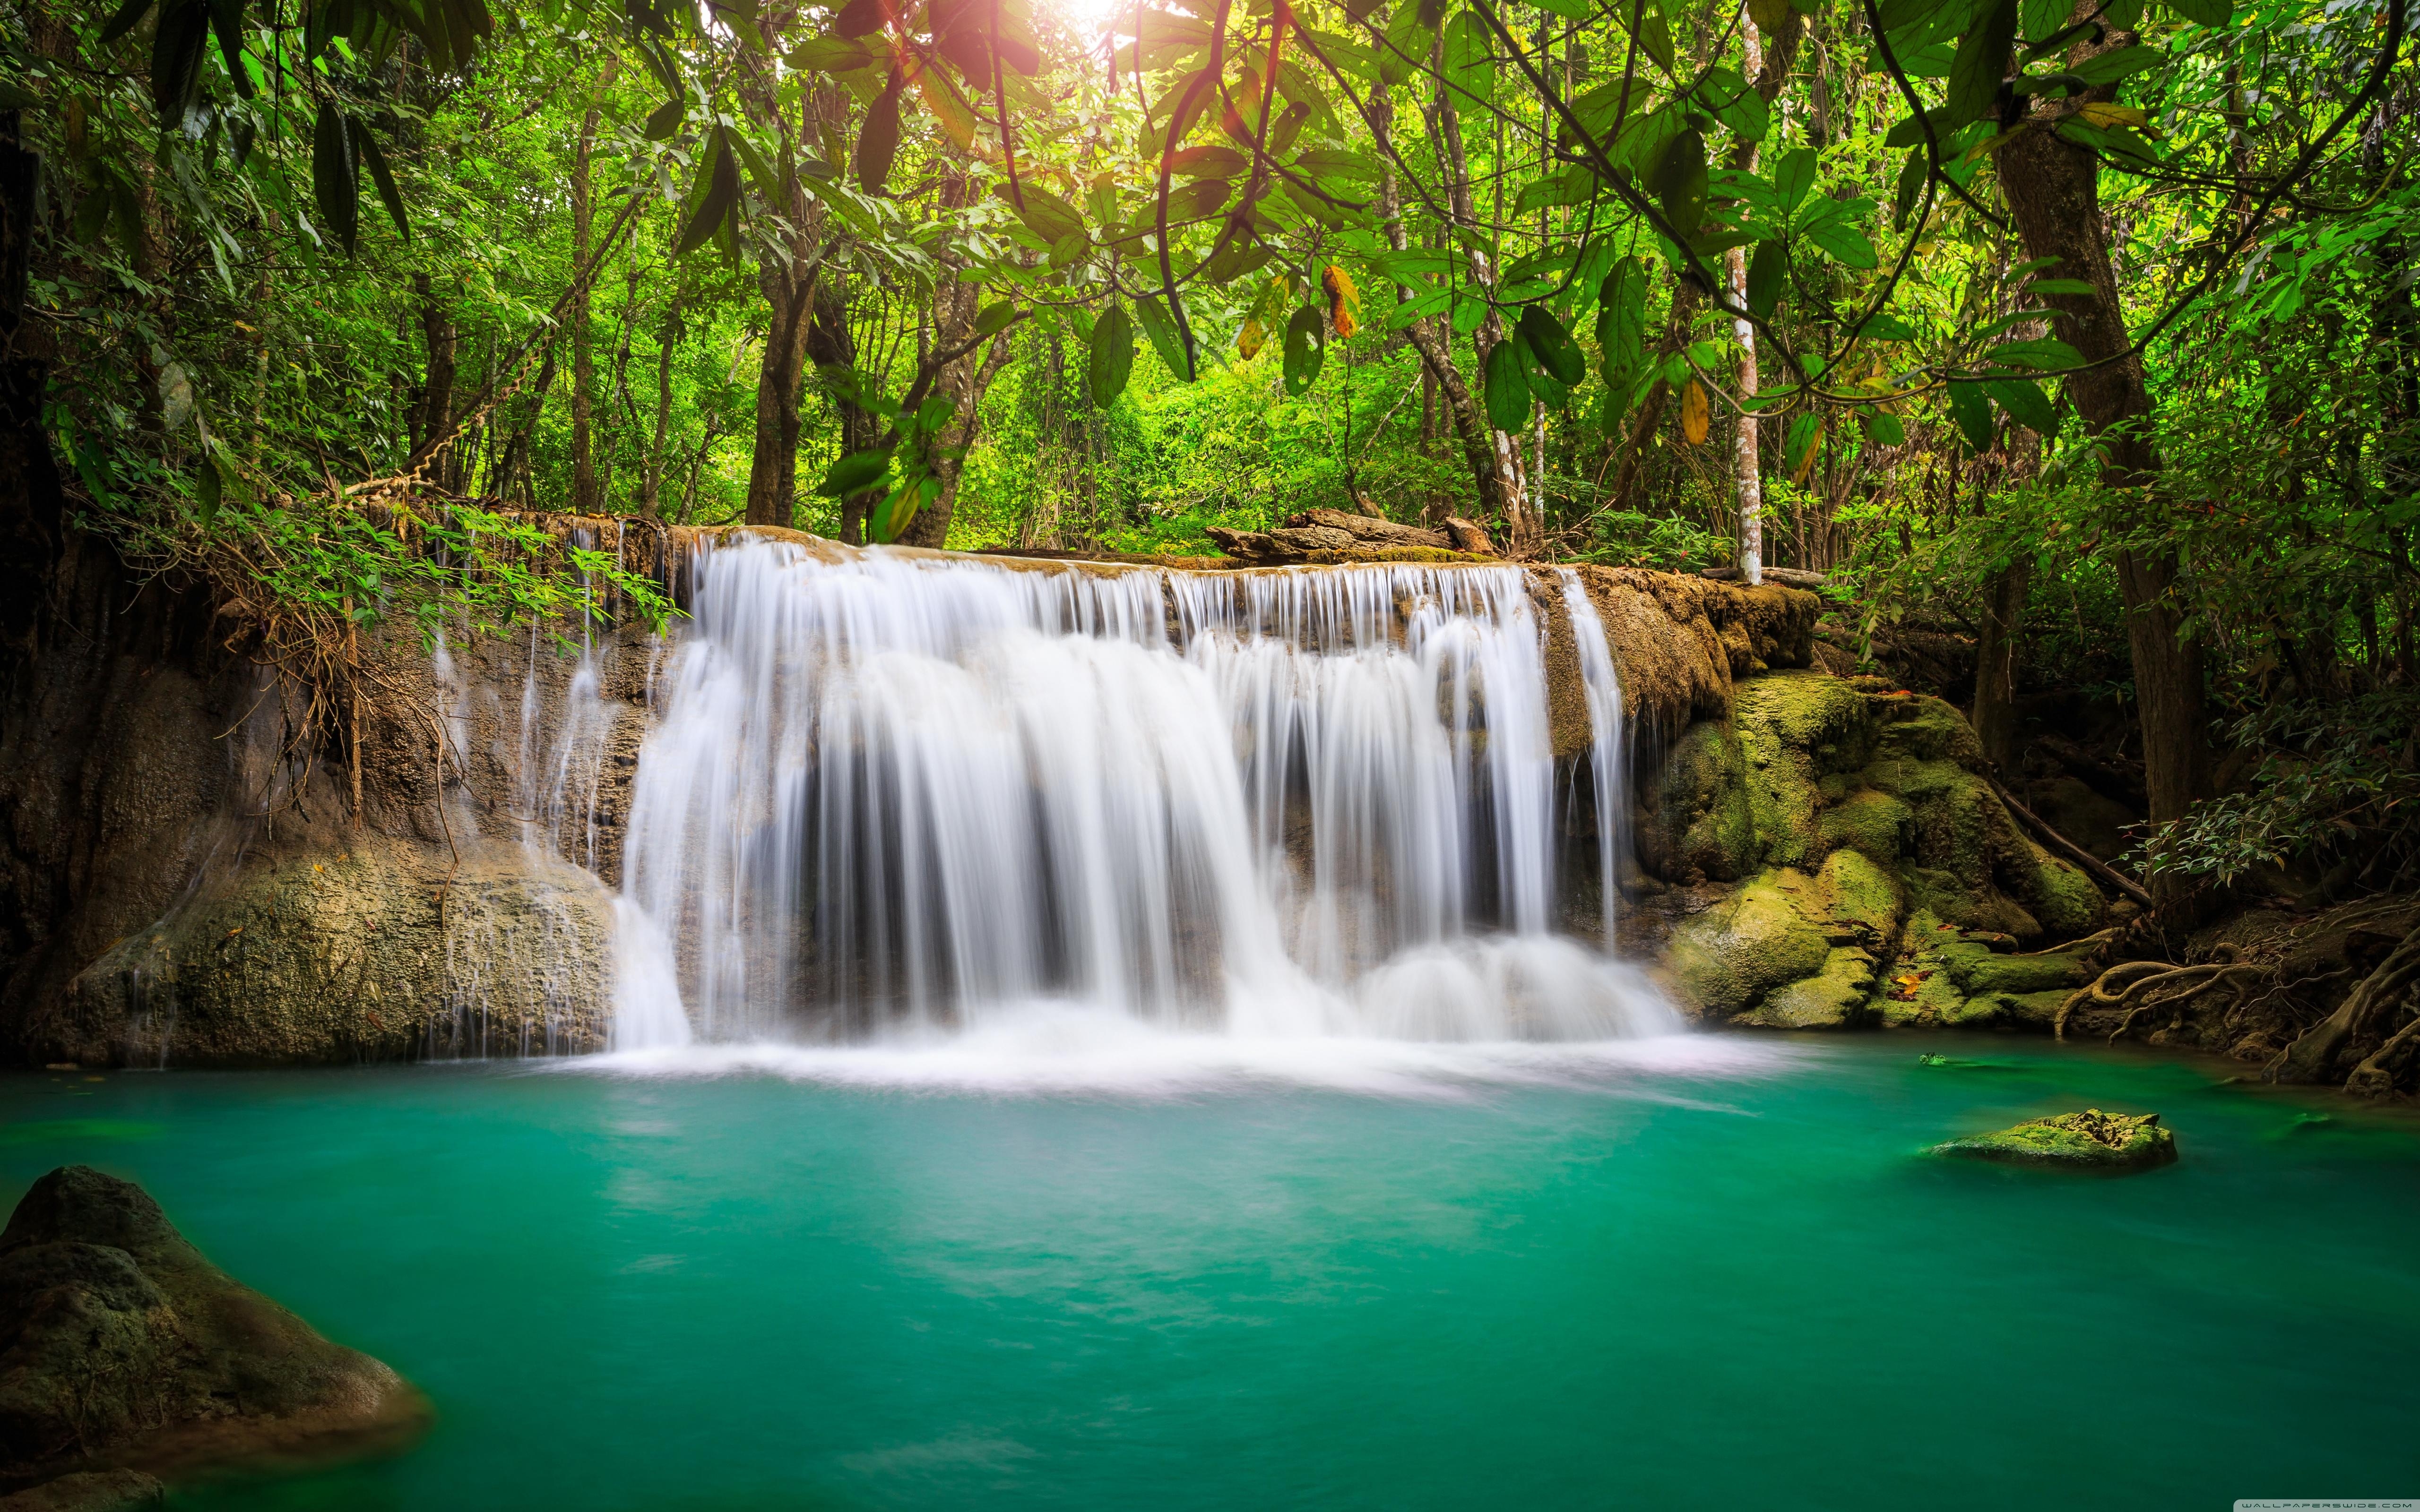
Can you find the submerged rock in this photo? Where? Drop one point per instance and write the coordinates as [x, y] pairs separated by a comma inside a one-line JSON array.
[[2090, 1140], [101, 1490], [122, 1347]]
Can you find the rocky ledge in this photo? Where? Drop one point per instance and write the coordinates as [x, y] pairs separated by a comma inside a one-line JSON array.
[[2088, 1141], [121, 1348]]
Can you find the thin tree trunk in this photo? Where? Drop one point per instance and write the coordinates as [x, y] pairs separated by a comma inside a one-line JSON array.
[[962, 381], [585, 495], [433, 417], [1995, 662], [2053, 192], [1505, 491], [651, 495]]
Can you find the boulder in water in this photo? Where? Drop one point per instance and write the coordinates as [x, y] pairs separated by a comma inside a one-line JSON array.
[[122, 1348], [2088, 1141], [99, 1490]]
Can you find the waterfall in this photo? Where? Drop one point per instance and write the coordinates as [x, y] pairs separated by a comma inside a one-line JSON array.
[[1605, 755], [892, 794]]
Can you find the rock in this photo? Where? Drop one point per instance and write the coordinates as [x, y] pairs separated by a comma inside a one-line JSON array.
[[2090, 1141], [121, 1347], [1731, 957], [106, 1491], [1835, 999], [382, 950]]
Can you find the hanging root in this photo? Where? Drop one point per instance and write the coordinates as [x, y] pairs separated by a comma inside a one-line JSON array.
[[2102, 938]]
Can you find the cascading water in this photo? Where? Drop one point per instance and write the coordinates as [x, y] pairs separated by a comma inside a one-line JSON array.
[[894, 794]]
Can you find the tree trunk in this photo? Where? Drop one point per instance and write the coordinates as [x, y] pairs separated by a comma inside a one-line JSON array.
[[793, 297], [585, 497], [2053, 191], [433, 417], [828, 341], [1429, 338], [651, 495], [1503, 490], [962, 381], [1995, 663]]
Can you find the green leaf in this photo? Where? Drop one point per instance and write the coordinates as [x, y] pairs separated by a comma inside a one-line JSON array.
[[1161, 329], [1798, 446], [2119, 62], [1680, 181], [2026, 403], [1655, 35], [2061, 286], [2044, 352], [2213, 13], [1885, 326], [1210, 162], [336, 185], [1767, 273], [1111, 357], [1910, 132], [374, 159], [1973, 412], [1845, 242], [1983, 62], [1306, 349], [1469, 66], [1409, 35], [227, 21], [721, 179], [854, 473], [209, 488], [1047, 215], [1882, 428], [1793, 178], [1912, 175], [1553, 346], [877, 140], [994, 318], [1735, 101], [178, 42], [122, 22], [1507, 386], [666, 119]]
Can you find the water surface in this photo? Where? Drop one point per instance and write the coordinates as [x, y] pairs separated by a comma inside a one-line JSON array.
[[1692, 1273]]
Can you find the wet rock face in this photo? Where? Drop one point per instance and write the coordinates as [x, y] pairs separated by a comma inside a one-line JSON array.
[[2088, 1141], [381, 949], [120, 1346]]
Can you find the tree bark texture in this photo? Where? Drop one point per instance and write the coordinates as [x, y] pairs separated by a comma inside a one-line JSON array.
[[2053, 191], [584, 491]]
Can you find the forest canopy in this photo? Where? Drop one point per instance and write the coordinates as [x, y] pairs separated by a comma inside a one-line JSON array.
[[2073, 344]]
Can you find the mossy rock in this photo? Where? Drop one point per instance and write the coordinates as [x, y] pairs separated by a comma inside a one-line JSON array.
[[1836, 998], [2088, 1141], [1729, 958], [1696, 818], [1980, 969], [120, 1346], [2061, 896], [1926, 730], [1807, 711], [1871, 823], [1850, 887]]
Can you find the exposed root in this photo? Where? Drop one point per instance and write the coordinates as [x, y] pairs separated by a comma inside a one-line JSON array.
[[2363, 1016], [2104, 938], [2130, 982]]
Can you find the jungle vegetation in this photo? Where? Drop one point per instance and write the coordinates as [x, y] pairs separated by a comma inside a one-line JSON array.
[[2080, 332]]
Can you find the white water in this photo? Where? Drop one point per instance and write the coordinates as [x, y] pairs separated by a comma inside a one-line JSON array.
[[899, 799]]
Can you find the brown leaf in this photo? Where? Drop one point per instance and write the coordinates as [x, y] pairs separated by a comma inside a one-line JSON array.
[[1694, 418]]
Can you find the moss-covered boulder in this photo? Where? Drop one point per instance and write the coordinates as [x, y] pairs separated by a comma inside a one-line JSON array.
[[2088, 1141], [120, 1346], [1729, 958], [1838, 997], [99, 1490], [1695, 820]]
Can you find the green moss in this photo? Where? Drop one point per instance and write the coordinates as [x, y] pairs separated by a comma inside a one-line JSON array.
[[1851, 886], [1701, 820], [1926, 730], [2061, 896], [1978, 968], [1807, 711], [2090, 1140], [1835, 999], [1730, 957], [1873, 824]]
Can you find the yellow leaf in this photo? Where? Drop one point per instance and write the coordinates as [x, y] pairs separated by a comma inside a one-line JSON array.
[[1343, 299], [2101, 115], [1693, 413], [1250, 342]]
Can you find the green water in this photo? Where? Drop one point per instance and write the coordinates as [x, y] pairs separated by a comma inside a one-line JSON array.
[[1721, 1281]]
